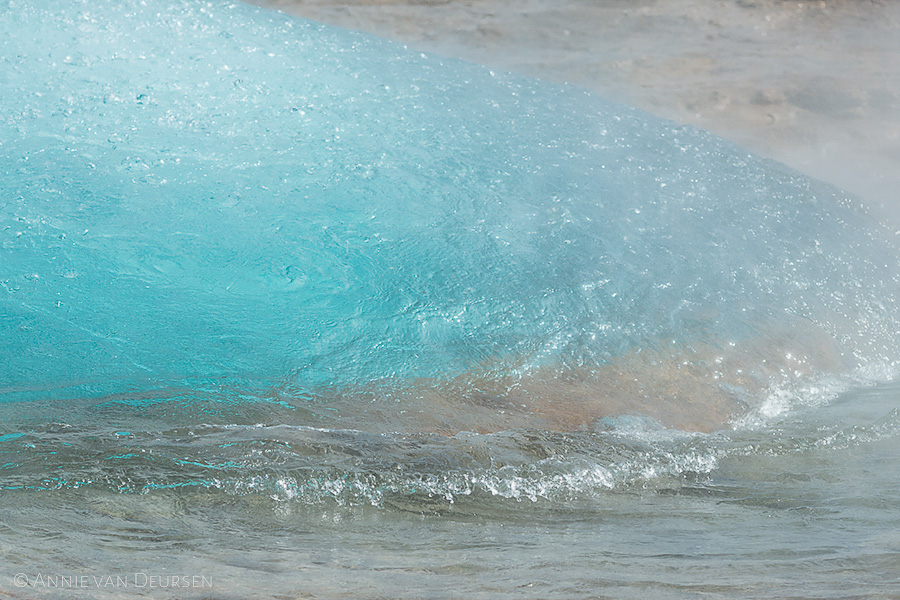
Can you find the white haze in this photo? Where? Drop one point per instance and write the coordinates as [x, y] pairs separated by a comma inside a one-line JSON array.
[[815, 85]]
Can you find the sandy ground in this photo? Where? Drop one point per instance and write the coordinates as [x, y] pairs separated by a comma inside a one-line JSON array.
[[815, 85]]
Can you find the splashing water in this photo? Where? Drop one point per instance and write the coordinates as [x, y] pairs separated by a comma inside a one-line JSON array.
[[253, 262]]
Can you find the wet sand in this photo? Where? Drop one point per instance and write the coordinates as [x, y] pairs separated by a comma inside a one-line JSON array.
[[815, 85]]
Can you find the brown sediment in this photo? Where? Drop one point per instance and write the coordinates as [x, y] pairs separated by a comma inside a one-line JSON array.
[[697, 386], [700, 386]]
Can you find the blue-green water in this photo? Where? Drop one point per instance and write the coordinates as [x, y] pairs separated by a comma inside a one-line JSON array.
[[293, 311]]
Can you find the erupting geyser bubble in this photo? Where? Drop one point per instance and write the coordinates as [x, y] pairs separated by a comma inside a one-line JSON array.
[[299, 313], [207, 199]]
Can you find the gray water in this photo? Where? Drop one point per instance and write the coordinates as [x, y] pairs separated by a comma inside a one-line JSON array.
[[804, 507]]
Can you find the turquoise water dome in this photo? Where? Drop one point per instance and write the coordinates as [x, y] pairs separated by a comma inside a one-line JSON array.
[[203, 196]]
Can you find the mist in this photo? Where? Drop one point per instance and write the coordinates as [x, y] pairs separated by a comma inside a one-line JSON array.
[[815, 85]]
